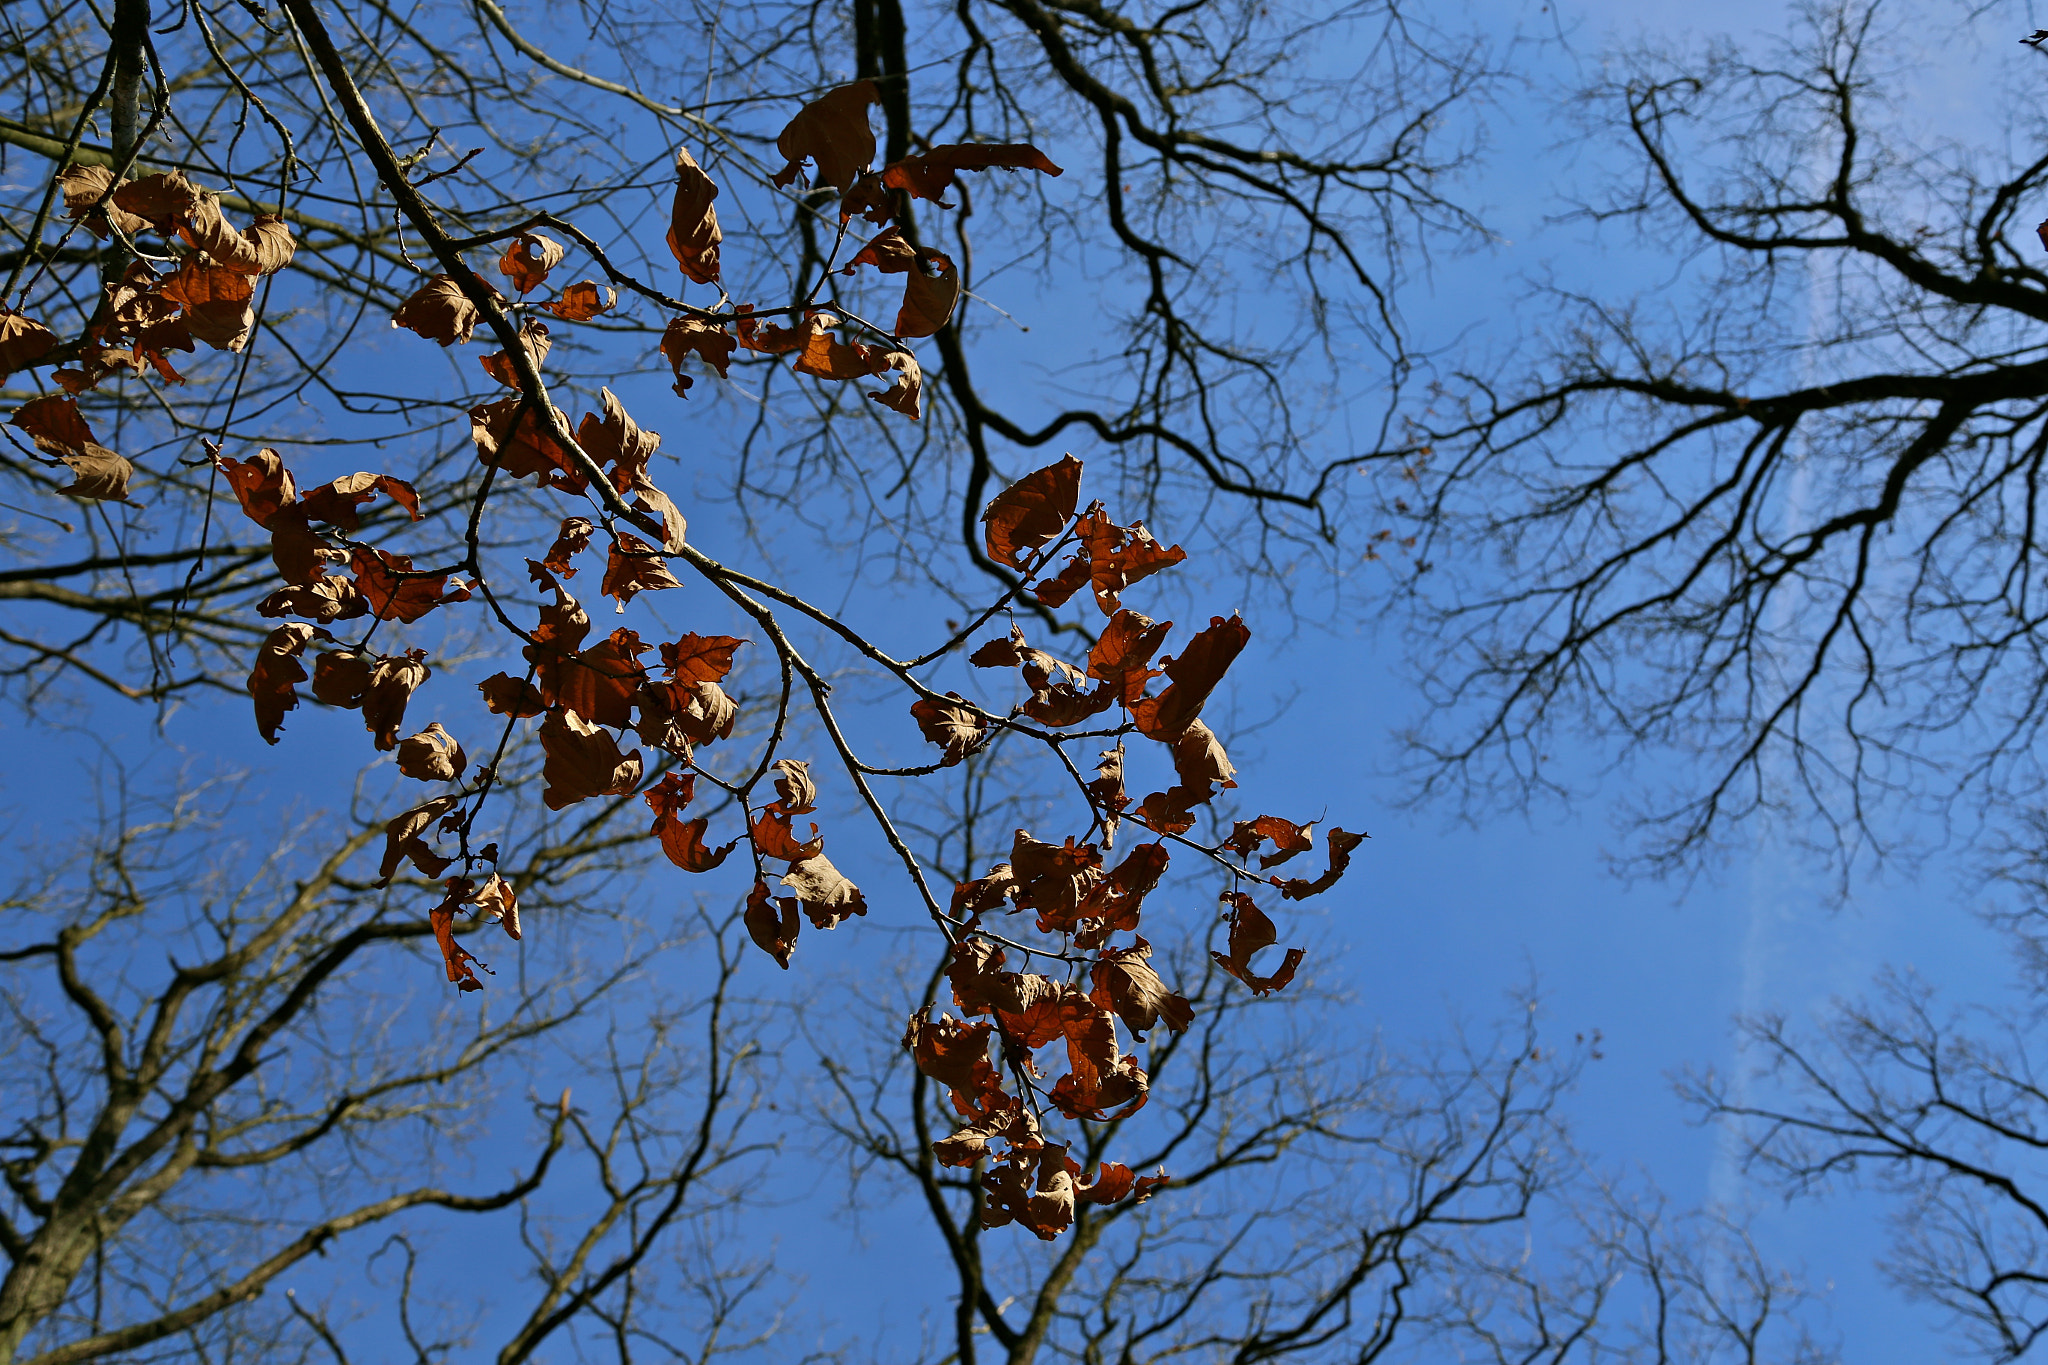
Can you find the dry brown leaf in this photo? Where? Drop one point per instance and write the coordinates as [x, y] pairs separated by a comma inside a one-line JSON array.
[[166, 200], [685, 846], [266, 247], [439, 311], [432, 755], [774, 838], [454, 957], [403, 840], [396, 592], [824, 356], [952, 724], [57, 427], [23, 342], [504, 695], [573, 538], [1123, 651], [1195, 671], [772, 925], [583, 760], [1125, 982], [498, 903], [272, 681], [929, 294], [391, 683], [1031, 513], [693, 233], [1288, 838], [341, 676], [582, 301], [219, 303], [887, 252], [528, 258], [261, 484], [699, 658], [832, 133], [326, 599], [1339, 844], [527, 448], [339, 503], [930, 175], [1119, 556], [600, 683], [906, 395], [709, 342], [83, 187], [635, 567], [794, 787], [1251, 931], [826, 894], [533, 339], [765, 338], [301, 556]]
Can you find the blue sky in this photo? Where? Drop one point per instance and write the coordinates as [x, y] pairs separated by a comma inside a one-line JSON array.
[[1441, 918]]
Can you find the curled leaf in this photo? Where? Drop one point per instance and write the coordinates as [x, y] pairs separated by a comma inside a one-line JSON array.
[[506, 695], [528, 258], [1031, 513], [582, 301], [58, 428], [772, 926], [952, 724], [635, 567], [832, 133], [693, 233], [930, 175], [826, 894], [709, 342], [929, 294], [391, 684], [1340, 844], [432, 755], [583, 760], [439, 311], [403, 840], [1251, 931], [272, 682]]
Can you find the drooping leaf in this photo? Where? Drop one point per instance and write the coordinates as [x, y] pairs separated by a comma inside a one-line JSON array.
[[826, 894], [330, 598], [1031, 513], [906, 395], [774, 837], [709, 342], [339, 502], [582, 301], [1195, 671], [693, 233], [341, 676], [1125, 983], [439, 311], [773, 926], [391, 684], [699, 658], [23, 341], [506, 695], [887, 252], [396, 592], [832, 133], [219, 303], [600, 683], [533, 340], [404, 838], [57, 427], [513, 436], [583, 760], [633, 568], [929, 295], [454, 957], [1287, 837], [432, 755], [952, 724], [528, 258], [573, 538], [262, 484], [1340, 844], [272, 682], [1251, 931]]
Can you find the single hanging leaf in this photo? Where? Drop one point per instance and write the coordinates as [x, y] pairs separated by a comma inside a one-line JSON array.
[[1288, 838], [340, 502], [1340, 845], [533, 339], [952, 724], [906, 395], [700, 658], [634, 568], [83, 187], [58, 428], [583, 760], [1251, 931], [773, 927], [794, 787], [573, 538], [832, 133], [683, 840], [582, 301], [528, 258], [1119, 556], [824, 356], [600, 683], [930, 175], [506, 695], [824, 892], [1195, 673], [23, 342], [1124, 649], [329, 598], [396, 592], [774, 837], [391, 684], [439, 311], [432, 755], [1031, 513], [887, 252], [272, 682], [693, 233], [261, 484], [929, 293], [513, 436], [403, 840], [219, 303], [454, 957], [709, 342], [341, 676], [1125, 983]]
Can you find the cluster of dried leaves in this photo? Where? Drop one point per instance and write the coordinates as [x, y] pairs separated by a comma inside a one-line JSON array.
[[591, 699]]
